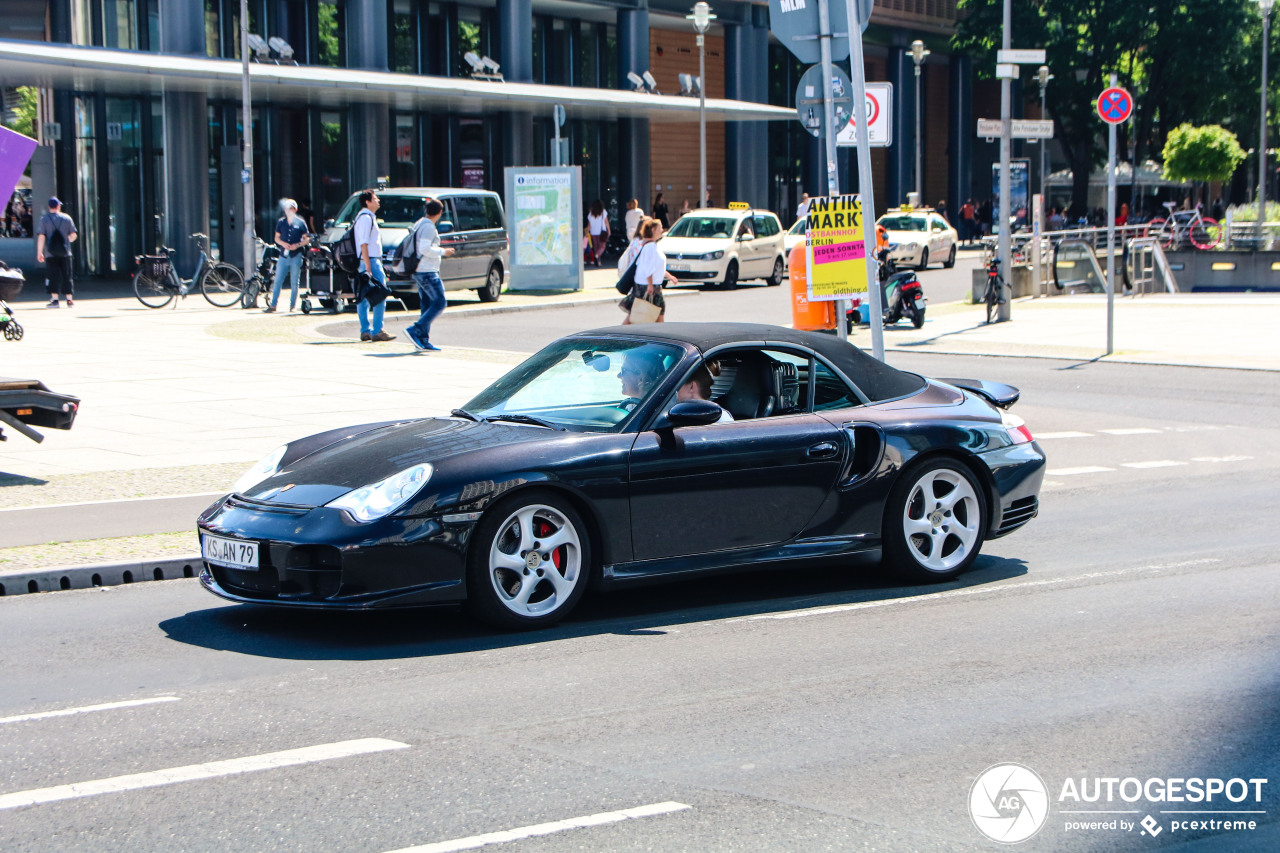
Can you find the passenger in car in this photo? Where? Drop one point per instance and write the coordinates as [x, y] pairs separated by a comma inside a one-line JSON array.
[[699, 388]]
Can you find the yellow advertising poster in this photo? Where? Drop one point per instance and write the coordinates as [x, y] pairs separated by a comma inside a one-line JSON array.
[[836, 248]]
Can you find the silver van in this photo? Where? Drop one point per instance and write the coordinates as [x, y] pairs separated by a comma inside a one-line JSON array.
[[473, 223]]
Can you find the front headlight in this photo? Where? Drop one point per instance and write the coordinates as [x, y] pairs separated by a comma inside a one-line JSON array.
[[713, 256], [264, 469], [372, 502]]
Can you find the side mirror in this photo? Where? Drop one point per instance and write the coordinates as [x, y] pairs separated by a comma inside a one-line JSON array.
[[742, 238], [444, 227], [694, 413], [328, 223]]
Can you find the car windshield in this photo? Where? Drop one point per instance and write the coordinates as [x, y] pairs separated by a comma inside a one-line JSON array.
[[707, 227], [579, 384], [903, 223], [396, 211], [798, 228]]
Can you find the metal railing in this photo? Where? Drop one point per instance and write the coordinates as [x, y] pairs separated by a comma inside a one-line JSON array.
[[1144, 266]]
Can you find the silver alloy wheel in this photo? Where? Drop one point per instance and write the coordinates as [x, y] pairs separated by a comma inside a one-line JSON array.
[[940, 520], [492, 286], [535, 561]]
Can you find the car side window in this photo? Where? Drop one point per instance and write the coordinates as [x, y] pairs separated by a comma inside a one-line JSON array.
[[470, 211], [760, 383], [766, 226], [492, 212], [448, 215], [830, 391]]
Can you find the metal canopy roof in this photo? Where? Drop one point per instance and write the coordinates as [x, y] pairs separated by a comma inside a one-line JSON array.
[[121, 72]]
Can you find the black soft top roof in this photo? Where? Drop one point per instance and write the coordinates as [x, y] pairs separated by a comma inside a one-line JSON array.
[[876, 379]]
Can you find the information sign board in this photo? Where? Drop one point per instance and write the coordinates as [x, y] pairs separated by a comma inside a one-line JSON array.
[[836, 248], [544, 227]]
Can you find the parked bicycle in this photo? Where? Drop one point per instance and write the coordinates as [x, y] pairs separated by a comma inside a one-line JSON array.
[[263, 279], [1184, 226], [156, 282], [994, 294]]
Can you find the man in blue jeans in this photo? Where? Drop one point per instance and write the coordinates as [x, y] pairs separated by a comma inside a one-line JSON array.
[[369, 245], [291, 237], [430, 287]]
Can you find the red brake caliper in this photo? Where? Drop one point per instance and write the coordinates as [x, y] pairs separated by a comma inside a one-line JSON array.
[[557, 557]]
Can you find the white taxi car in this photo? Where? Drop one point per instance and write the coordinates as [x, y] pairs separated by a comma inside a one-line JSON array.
[[919, 237], [723, 246]]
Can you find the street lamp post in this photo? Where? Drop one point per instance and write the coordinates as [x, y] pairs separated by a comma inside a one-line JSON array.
[[1044, 77], [918, 53], [702, 19], [1265, 7]]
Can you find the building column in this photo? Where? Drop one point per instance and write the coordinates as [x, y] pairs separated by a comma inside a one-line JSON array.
[[960, 133], [746, 79], [369, 127], [903, 151], [515, 55], [186, 137], [633, 133]]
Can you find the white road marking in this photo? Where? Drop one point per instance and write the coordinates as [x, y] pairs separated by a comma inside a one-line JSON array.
[[1154, 463], [209, 495], [86, 709], [192, 772], [978, 590], [1048, 436], [1071, 472], [1221, 458], [599, 819], [1131, 431]]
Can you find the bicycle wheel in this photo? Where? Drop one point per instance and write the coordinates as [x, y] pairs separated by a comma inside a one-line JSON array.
[[153, 292], [1206, 234], [993, 301], [223, 285], [252, 287], [1162, 230]]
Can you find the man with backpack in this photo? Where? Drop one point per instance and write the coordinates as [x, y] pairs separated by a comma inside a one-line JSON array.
[[372, 286], [427, 253], [54, 237]]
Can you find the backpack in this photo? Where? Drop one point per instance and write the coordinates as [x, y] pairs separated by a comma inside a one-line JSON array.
[[405, 259], [57, 244], [346, 254]]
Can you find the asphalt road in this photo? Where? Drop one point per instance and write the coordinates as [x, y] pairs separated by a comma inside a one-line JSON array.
[[1129, 631]]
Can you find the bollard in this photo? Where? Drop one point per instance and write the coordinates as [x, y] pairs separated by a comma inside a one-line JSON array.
[[807, 315]]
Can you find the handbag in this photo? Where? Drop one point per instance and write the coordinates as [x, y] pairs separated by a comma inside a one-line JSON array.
[[628, 279], [644, 311]]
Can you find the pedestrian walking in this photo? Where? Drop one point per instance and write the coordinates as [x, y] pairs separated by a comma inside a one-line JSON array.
[[632, 218], [661, 212], [968, 221], [53, 249], [651, 272], [598, 229], [431, 299], [292, 236], [369, 245]]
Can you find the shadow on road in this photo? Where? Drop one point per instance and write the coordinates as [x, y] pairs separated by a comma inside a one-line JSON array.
[[294, 635]]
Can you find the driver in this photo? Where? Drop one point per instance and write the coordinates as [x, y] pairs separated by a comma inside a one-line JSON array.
[[640, 372], [699, 388]]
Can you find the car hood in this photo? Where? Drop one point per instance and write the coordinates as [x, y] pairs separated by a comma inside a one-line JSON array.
[[693, 245], [369, 457]]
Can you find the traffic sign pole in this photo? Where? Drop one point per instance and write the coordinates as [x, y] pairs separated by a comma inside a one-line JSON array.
[[1004, 309], [829, 135], [865, 186], [1111, 225]]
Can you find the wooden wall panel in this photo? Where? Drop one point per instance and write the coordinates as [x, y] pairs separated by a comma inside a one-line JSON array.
[[673, 146]]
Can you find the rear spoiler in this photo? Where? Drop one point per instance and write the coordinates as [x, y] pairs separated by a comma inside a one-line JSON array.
[[27, 403], [996, 393]]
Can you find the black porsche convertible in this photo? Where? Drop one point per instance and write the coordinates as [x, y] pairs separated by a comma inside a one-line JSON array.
[[627, 455]]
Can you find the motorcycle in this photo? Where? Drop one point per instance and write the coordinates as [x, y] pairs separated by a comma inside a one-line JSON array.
[[901, 295]]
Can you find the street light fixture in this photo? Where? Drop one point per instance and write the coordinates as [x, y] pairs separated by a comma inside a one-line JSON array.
[[1265, 6], [702, 19], [918, 53], [1044, 77]]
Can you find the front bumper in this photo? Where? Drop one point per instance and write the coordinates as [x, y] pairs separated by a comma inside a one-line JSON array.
[[687, 270]]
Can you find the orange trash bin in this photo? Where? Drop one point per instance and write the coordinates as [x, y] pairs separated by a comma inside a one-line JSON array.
[[807, 315]]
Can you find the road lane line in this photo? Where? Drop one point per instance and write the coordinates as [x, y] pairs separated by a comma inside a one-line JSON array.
[[599, 819], [1221, 458], [87, 709], [209, 495], [1046, 436], [1130, 431], [1071, 472], [977, 590], [193, 772], [1154, 463]]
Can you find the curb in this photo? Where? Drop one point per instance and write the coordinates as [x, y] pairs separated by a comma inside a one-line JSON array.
[[103, 574]]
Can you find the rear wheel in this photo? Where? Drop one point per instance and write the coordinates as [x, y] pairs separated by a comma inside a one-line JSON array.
[[223, 285], [778, 272], [1162, 230], [152, 292], [917, 317], [993, 300], [493, 285], [934, 521], [529, 562], [1206, 234], [252, 287]]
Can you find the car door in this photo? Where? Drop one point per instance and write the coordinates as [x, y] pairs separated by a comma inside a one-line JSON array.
[[453, 268], [468, 238], [938, 243], [748, 483]]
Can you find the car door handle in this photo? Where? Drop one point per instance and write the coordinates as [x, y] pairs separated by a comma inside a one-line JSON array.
[[822, 450]]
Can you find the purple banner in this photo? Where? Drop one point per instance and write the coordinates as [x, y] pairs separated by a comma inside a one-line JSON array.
[[15, 153]]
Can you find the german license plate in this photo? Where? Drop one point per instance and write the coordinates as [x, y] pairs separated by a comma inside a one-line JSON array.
[[236, 553], [679, 267]]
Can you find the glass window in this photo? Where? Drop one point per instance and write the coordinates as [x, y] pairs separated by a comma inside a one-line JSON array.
[[697, 225], [766, 226], [119, 24], [469, 39], [333, 162], [404, 41], [329, 21], [493, 213], [584, 73], [470, 211], [903, 223], [829, 391]]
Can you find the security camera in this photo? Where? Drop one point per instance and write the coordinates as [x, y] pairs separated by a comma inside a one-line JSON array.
[[651, 83], [489, 65], [686, 84], [281, 47], [636, 80], [259, 46], [697, 85], [474, 61]]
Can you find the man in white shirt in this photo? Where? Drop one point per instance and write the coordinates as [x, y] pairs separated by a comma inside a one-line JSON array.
[[369, 245], [802, 209], [431, 298]]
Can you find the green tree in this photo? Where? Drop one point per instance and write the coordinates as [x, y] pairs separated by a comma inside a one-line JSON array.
[[23, 118], [1182, 60], [1208, 153]]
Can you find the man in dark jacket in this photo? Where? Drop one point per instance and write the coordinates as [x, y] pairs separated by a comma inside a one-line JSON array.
[[53, 249]]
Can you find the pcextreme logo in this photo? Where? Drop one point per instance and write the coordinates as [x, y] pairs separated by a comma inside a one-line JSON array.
[[1010, 803]]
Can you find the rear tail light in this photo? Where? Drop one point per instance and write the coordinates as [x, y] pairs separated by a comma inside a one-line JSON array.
[[1019, 432]]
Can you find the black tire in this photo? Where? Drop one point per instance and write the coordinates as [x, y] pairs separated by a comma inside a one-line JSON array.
[[223, 285], [730, 276], [779, 272], [500, 573], [917, 317], [249, 299], [12, 331], [306, 306], [951, 258], [924, 260], [993, 302], [493, 285], [935, 521], [152, 292]]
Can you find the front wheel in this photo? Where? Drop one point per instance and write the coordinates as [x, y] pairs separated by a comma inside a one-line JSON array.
[[493, 285], [951, 258], [924, 260], [1206, 234], [934, 521], [529, 562], [993, 300], [252, 287], [778, 272], [1162, 230], [154, 292], [730, 276], [223, 285]]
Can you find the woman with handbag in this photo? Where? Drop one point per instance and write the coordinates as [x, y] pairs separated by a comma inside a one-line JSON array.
[[651, 274]]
